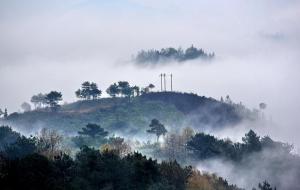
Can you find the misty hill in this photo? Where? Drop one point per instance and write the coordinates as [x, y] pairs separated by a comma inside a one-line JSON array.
[[120, 115], [165, 55]]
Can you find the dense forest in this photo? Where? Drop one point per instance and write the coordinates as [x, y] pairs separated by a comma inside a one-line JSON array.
[[42, 163]]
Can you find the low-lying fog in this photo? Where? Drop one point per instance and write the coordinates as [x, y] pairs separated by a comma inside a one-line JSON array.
[[56, 46]]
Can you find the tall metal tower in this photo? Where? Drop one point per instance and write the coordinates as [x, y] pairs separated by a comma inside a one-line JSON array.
[[165, 83], [161, 82], [171, 82]]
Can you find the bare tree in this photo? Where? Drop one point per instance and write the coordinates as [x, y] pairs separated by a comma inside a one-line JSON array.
[[50, 143]]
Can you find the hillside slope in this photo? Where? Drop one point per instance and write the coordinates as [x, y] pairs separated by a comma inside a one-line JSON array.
[[118, 115]]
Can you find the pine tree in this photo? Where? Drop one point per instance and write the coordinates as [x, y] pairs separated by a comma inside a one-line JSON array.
[[157, 128]]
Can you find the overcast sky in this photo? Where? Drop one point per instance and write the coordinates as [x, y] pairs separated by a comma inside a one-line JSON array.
[[58, 44]]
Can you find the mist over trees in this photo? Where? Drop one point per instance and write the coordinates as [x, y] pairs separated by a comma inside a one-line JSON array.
[[26, 106], [91, 135], [128, 112], [170, 54], [38, 100], [91, 169], [157, 128], [205, 146], [50, 99], [41, 162]]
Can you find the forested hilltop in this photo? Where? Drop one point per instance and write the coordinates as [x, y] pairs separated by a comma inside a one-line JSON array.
[[170, 54], [132, 114]]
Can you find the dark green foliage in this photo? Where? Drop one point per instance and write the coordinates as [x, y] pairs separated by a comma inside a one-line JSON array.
[[169, 107], [157, 128], [91, 135], [205, 146], [113, 90], [90, 170], [93, 130], [13, 145], [146, 171], [170, 54], [174, 175], [7, 136], [98, 171], [265, 186], [251, 142], [203, 111], [21, 147], [89, 90], [53, 98], [125, 88], [33, 172]]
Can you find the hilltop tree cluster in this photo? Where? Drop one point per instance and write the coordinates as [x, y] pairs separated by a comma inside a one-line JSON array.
[[89, 90], [171, 54], [51, 99], [123, 88]]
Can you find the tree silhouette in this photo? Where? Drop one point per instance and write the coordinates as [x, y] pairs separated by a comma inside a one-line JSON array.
[[125, 89], [93, 130], [39, 100], [252, 141], [26, 106], [157, 128], [136, 90], [91, 135], [262, 106], [151, 86], [94, 91], [113, 90], [5, 115], [265, 186], [89, 90], [53, 99], [170, 54]]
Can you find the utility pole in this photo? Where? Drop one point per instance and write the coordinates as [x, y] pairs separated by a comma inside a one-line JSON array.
[[171, 82], [161, 85], [165, 82]]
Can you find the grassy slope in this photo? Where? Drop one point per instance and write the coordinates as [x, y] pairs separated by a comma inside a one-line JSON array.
[[118, 115]]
